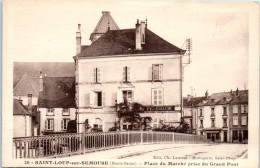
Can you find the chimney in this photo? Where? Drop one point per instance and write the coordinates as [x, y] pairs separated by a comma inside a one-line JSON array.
[[138, 36], [29, 103], [41, 81], [21, 101], [237, 91], [206, 95], [78, 40], [143, 32]]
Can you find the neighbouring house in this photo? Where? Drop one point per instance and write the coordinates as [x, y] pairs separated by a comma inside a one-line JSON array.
[[190, 111], [27, 88], [127, 64], [223, 117], [56, 104], [22, 119]]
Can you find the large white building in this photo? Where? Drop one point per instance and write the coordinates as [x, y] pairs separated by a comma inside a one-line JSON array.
[[135, 64]]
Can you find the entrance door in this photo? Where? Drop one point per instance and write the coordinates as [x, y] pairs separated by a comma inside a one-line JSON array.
[[225, 136], [240, 136]]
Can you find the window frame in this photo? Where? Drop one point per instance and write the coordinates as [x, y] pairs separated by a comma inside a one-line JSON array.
[[67, 122], [126, 74], [160, 72], [97, 75], [234, 120], [64, 113], [47, 124], [50, 111], [153, 96]]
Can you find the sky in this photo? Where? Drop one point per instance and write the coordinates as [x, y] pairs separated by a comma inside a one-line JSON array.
[[44, 31]]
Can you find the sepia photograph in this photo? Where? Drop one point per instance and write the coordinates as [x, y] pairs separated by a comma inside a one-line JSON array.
[[130, 83]]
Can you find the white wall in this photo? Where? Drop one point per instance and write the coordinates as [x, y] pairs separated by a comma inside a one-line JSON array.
[[58, 117], [22, 125], [140, 78]]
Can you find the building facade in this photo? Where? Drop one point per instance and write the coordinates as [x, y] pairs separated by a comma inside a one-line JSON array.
[[128, 64], [223, 117], [22, 119], [56, 104]]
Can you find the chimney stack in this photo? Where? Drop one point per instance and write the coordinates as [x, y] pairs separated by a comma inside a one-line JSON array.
[[78, 40], [41, 81], [237, 91], [138, 36], [143, 32], [206, 95], [29, 103]]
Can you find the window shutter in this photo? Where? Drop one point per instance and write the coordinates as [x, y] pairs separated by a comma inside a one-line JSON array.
[[62, 124], [98, 74], [119, 96], [91, 99], [128, 74], [103, 99], [124, 73], [160, 72], [94, 75], [46, 124]]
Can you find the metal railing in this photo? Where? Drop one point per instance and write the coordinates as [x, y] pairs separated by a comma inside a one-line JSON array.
[[80, 143]]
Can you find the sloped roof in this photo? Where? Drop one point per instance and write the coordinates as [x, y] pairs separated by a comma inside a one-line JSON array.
[[222, 98], [118, 42], [242, 98], [32, 69], [105, 21], [19, 108], [58, 92], [192, 102], [26, 86]]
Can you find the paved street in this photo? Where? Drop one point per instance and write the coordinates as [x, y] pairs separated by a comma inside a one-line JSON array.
[[162, 151]]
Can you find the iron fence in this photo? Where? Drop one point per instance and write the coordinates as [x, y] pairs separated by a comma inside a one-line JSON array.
[[80, 143]]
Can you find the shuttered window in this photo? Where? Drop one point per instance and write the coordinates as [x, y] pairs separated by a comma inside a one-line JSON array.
[[64, 124], [49, 124], [97, 98], [126, 74], [157, 72], [97, 74]]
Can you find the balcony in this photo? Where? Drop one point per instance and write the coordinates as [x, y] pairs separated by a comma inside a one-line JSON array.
[[212, 115]]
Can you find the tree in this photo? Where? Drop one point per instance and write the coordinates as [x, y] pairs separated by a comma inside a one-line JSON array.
[[130, 112], [145, 120], [72, 126]]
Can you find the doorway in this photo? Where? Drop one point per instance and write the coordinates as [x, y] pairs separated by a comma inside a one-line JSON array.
[[225, 136]]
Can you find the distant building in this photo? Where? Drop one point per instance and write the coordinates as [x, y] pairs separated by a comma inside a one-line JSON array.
[[26, 89], [132, 64], [56, 104], [223, 116], [22, 119], [190, 111]]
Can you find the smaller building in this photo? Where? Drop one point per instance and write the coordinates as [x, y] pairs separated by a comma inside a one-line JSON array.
[[56, 104], [190, 111], [223, 117], [22, 119]]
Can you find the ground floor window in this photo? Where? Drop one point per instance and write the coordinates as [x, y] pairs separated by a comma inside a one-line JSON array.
[[64, 124], [97, 125], [49, 124], [213, 136]]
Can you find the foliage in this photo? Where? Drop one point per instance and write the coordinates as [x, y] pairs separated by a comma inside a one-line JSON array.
[[182, 128], [72, 126]]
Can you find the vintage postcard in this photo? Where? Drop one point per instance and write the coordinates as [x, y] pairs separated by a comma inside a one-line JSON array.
[[131, 83]]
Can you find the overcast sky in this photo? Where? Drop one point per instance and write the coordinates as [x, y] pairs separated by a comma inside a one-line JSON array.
[[44, 31]]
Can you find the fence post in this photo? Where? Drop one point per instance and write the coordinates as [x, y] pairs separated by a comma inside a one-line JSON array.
[[142, 136], [128, 137]]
